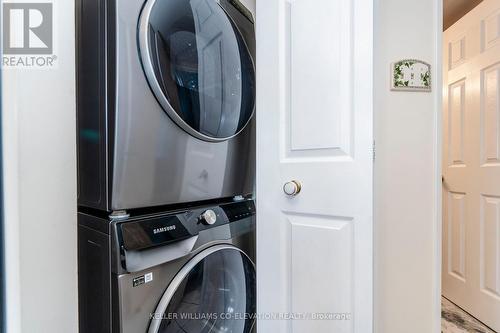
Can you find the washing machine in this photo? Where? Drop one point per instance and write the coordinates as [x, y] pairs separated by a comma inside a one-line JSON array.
[[190, 271], [165, 102]]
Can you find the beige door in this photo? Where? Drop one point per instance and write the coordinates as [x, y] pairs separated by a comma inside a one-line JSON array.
[[314, 126], [471, 163]]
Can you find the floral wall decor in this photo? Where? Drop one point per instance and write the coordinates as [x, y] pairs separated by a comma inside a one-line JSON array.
[[411, 75]]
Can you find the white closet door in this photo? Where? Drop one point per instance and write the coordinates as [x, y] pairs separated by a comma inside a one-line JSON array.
[[314, 126]]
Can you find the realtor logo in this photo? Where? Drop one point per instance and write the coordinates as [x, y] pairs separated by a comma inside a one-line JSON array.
[[28, 35], [27, 28]]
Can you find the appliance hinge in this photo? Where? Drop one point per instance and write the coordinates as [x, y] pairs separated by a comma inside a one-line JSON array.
[[119, 215]]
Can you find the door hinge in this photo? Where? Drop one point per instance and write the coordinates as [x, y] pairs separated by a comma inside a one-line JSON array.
[[373, 151]]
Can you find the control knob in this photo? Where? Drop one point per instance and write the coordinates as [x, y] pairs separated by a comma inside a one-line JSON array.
[[208, 217]]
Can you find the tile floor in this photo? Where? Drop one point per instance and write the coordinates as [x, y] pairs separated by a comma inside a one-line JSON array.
[[455, 320]]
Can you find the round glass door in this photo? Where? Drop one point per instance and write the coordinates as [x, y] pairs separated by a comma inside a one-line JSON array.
[[198, 66], [213, 293]]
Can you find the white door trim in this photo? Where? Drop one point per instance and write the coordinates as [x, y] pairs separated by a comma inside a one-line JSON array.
[[438, 127]]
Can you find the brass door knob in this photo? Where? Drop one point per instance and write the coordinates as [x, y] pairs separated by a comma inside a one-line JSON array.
[[292, 188]]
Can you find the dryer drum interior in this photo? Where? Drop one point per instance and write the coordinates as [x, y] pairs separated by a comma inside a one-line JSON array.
[[198, 65]]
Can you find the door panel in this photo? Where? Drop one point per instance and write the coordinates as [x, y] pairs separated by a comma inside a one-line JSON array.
[[456, 121], [490, 115], [312, 238], [316, 129], [490, 27], [456, 235], [314, 125], [471, 168], [490, 245]]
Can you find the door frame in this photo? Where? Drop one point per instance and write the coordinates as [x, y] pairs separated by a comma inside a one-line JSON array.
[[437, 80], [438, 148]]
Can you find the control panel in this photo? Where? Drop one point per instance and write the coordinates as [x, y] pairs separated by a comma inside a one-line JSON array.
[[142, 233]]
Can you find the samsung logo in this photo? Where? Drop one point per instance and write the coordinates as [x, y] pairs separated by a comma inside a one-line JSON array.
[[163, 229]]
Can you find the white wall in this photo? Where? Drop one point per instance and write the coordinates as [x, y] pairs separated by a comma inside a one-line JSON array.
[[407, 176], [40, 184]]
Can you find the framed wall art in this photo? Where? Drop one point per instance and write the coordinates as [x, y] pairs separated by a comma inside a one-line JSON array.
[[411, 75]]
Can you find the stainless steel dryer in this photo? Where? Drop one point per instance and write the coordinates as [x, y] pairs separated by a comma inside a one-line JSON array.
[[190, 271], [165, 100]]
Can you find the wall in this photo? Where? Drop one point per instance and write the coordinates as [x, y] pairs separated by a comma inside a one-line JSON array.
[[407, 172], [40, 189]]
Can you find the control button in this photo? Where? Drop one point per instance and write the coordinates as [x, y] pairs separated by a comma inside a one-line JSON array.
[[209, 217]]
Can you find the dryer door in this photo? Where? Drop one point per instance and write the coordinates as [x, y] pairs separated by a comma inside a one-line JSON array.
[[198, 64], [214, 292]]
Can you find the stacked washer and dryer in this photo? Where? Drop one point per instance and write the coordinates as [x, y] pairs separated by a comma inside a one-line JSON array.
[[165, 100]]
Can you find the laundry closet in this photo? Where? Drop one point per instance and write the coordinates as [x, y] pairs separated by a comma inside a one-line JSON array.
[[166, 166]]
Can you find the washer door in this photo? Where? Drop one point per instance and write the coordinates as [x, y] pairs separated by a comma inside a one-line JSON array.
[[214, 292], [198, 66]]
